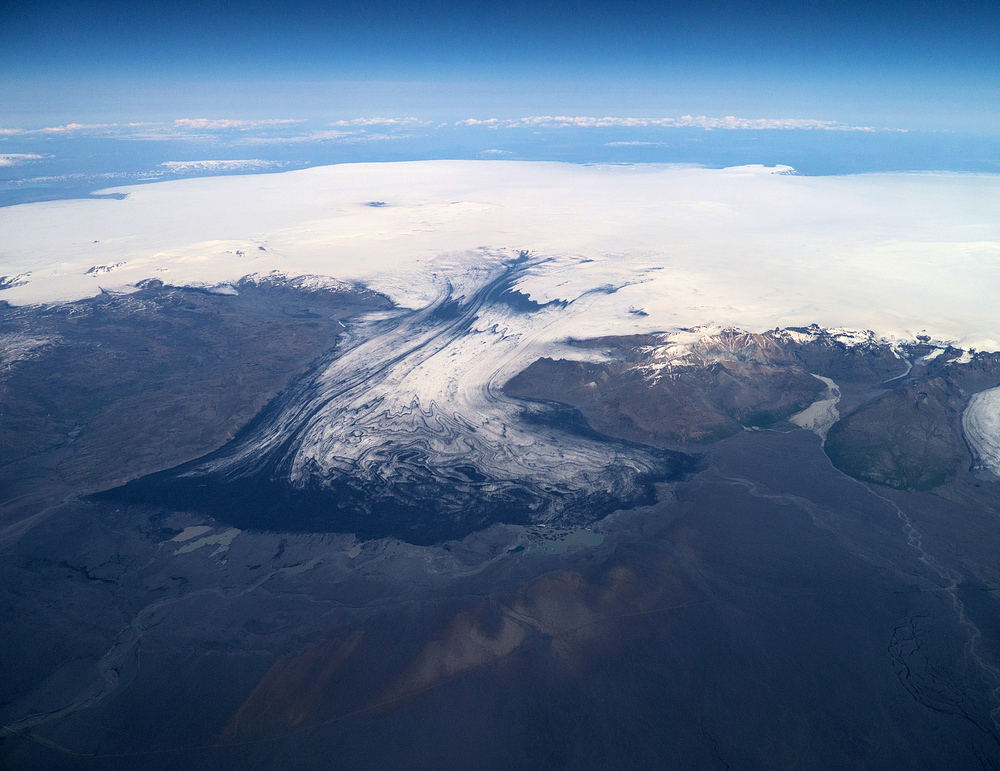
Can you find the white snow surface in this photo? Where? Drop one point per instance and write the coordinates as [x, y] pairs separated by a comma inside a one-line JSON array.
[[898, 254], [981, 422], [412, 398]]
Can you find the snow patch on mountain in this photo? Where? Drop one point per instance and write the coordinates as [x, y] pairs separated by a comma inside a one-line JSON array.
[[18, 346]]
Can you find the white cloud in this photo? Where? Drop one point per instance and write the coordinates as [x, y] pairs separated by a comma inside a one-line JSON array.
[[489, 122], [344, 137], [685, 121], [290, 139], [221, 124], [495, 152], [252, 164], [182, 128], [69, 128], [10, 159], [381, 122], [363, 137], [283, 130], [76, 128]]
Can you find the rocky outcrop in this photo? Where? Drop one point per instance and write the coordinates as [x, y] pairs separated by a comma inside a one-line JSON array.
[[664, 391]]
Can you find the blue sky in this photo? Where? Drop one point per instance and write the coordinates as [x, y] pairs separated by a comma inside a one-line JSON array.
[[115, 92], [917, 65]]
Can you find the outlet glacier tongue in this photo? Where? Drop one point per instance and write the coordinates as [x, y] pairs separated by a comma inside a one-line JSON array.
[[403, 431]]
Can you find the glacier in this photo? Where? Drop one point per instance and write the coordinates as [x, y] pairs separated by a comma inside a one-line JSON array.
[[404, 431], [981, 424]]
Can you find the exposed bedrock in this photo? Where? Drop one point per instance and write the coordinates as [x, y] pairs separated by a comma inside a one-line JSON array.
[[687, 388], [106, 389], [694, 406], [902, 425], [910, 438]]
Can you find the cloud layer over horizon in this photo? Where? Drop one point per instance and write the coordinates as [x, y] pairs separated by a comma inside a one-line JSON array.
[[929, 64]]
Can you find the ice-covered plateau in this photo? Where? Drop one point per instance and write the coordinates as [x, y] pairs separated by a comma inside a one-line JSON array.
[[491, 266], [683, 247]]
